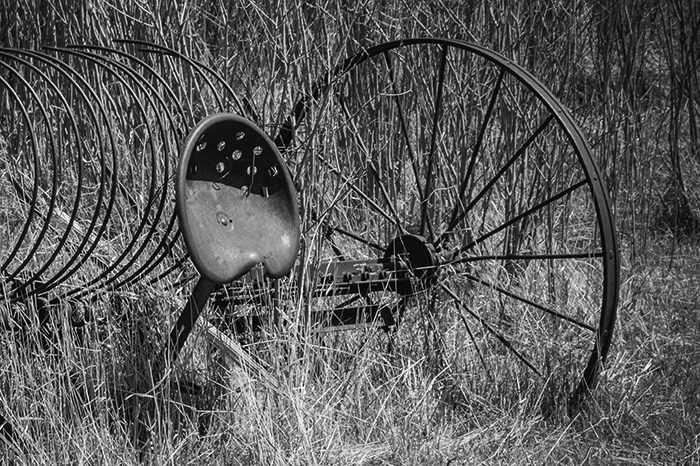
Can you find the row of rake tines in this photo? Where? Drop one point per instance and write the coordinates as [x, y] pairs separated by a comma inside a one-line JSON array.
[[89, 141]]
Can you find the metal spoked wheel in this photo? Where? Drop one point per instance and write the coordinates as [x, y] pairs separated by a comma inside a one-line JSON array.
[[449, 198]]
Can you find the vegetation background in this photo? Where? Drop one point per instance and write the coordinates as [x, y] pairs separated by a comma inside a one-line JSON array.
[[630, 73]]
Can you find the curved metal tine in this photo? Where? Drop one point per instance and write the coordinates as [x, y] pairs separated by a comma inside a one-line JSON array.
[[163, 249], [184, 88], [80, 85], [152, 72], [244, 108], [175, 266], [34, 202], [68, 218], [165, 246], [31, 214], [105, 170], [107, 64], [198, 67], [167, 249]]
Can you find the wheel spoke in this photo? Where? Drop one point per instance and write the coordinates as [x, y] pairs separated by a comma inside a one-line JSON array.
[[364, 196], [517, 218], [357, 238], [404, 127], [527, 301], [476, 345], [507, 343], [525, 257], [429, 193], [492, 182], [370, 163], [475, 152]]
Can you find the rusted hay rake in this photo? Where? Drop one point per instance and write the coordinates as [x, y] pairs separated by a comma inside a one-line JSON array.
[[90, 144], [446, 198], [88, 153]]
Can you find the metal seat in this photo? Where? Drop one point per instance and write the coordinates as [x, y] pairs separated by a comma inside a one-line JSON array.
[[235, 201], [236, 207]]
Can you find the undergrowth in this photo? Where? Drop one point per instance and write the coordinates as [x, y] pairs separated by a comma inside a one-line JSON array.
[[92, 398], [86, 406]]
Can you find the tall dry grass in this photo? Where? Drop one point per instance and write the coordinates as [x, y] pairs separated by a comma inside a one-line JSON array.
[[628, 71]]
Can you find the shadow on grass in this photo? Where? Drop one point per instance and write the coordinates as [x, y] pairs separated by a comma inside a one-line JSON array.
[[648, 404]]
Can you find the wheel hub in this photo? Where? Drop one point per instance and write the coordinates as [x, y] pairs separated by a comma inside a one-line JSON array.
[[416, 254]]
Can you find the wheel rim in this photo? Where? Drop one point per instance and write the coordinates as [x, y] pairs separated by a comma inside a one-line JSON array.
[[448, 141]]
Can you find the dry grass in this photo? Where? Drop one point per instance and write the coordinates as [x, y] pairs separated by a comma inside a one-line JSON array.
[[341, 398], [328, 408]]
